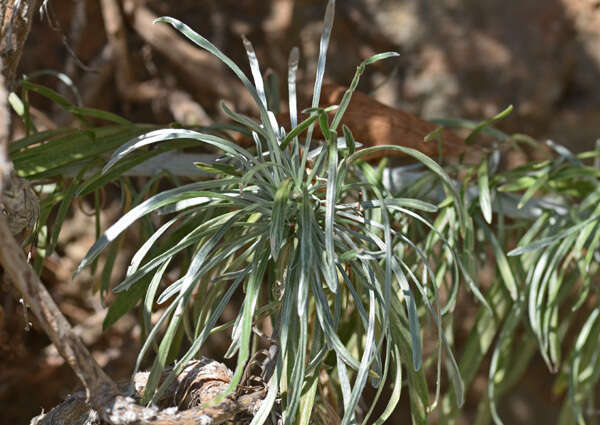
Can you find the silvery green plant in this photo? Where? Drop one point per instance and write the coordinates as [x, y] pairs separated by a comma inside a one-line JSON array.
[[306, 232], [349, 269]]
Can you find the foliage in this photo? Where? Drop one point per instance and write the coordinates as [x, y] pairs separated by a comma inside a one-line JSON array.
[[353, 272]]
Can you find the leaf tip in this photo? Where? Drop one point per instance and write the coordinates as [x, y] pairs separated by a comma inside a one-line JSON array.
[[161, 19], [78, 270], [417, 363], [487, 216]]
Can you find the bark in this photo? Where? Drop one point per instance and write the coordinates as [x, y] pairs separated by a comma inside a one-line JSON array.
[[16, 17], [4, 129], [197, 386]]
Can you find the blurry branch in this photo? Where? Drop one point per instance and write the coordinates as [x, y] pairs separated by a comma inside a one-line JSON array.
[[91, 85], [374, 124], [77, 28], [117, 39], [183, 108], [205, 73]]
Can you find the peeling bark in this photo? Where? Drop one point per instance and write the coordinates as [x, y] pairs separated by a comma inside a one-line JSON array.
[[16, 17]]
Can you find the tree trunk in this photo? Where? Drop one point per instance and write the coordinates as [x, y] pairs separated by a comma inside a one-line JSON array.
[[16, 17]]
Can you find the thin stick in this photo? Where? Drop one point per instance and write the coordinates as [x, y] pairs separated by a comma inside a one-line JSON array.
[[97, 384]]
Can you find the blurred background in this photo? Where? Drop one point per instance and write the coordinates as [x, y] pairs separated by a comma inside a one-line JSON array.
[[467, 59]]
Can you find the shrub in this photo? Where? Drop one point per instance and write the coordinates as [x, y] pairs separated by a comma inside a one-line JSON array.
[[353, 264]]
